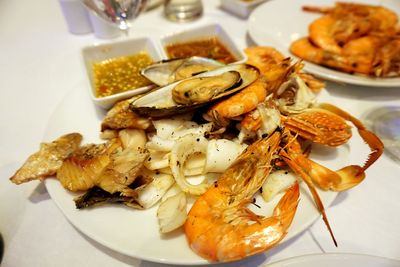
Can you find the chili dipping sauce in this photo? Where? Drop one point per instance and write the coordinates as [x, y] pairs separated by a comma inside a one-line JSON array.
[[210, 48]]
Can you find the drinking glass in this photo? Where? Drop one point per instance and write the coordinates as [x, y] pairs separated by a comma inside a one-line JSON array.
[[117, 12], [183, 10]]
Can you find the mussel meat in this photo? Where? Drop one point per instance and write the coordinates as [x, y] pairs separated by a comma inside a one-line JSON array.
[[191, 93], [169, 71], [202, 89]]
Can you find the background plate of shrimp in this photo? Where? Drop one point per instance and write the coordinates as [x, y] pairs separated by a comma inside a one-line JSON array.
[[135, 232], [342, 50]]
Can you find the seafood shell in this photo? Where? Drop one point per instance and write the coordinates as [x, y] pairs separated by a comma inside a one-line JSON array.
[[169, 71], [162, 101]]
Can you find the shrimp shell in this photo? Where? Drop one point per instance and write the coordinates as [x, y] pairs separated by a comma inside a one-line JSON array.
[[220, 227]]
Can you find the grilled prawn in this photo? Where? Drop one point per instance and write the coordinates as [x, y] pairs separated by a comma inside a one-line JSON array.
[[220, 227]]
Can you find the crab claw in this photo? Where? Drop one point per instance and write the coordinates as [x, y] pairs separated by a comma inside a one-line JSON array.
[[340, 180], [350, 176], [373, 141], [375, 144]]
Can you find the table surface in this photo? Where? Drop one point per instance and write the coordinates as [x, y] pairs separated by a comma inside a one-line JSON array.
[[41, 63]]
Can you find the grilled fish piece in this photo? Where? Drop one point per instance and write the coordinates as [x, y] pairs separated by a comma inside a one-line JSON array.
[[121, 117], [48, 159], [81, 169], [124, 167]]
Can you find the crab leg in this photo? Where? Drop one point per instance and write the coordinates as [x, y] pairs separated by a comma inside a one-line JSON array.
[[299, 164], [325, 178]]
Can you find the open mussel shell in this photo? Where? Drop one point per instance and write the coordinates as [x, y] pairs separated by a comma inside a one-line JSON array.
[[169, 71], [194, 92]]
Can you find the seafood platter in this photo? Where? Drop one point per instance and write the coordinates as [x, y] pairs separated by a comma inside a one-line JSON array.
[[217, 158], [348, 42]]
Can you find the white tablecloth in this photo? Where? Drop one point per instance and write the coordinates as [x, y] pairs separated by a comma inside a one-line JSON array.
[[40, 62]]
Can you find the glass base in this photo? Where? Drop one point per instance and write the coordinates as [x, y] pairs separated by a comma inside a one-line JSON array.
[[183, 11], [385, 123]]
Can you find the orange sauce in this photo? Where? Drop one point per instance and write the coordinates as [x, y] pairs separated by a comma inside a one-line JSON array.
[[210, 48]]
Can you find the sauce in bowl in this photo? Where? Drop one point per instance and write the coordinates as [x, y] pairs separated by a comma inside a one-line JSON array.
[[210, 48], [121, 74]]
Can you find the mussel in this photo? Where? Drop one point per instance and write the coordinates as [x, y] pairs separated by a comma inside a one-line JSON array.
[[203, 89], [171, 70], [194, 92]]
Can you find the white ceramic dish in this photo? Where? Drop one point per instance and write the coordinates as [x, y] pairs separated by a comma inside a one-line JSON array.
[[134, 232], [337, 259], [98, 53], [239, 7], [279, 23], [204, 32]]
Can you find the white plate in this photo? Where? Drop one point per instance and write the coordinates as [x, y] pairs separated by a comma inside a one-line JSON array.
[[279, 23], [334, 260], [135, 232]]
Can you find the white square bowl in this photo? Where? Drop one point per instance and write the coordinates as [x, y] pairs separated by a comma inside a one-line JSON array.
[[201, 33], [97, 53], [240, 8]]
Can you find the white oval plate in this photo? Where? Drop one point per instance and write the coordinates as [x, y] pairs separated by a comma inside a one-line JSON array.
[[279, 23], [336, 259], [135, 232]]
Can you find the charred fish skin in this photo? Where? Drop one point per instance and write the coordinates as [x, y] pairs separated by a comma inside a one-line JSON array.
[[161, 102], [96, 196]]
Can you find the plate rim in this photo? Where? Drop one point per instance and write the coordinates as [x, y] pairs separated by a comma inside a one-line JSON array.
[[331, 255]]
